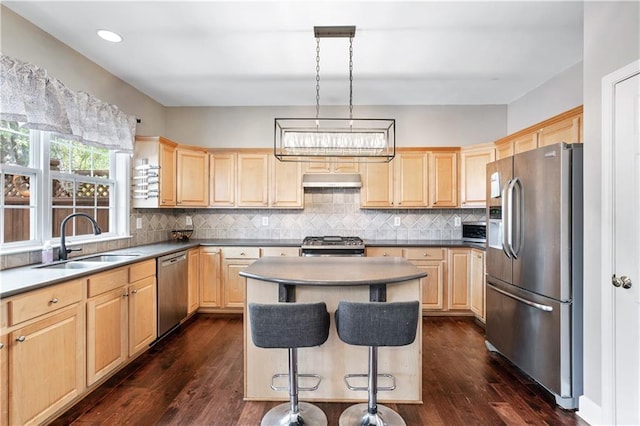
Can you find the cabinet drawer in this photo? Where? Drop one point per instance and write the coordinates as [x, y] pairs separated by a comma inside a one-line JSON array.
[[425, 253], [281, 251], [384, 252], [40, 302], [142, 270], [105, 281], [241, 252]]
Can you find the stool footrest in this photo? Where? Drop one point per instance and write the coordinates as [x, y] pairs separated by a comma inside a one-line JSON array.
[[364, 388], [300, 388]]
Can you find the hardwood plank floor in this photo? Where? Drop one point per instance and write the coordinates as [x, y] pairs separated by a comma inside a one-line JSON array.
[[194, 377]]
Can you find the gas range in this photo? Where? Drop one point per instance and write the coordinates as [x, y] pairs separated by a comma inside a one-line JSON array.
[[332, 246]]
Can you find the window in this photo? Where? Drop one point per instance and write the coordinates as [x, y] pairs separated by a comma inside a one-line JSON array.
[[77, 179]]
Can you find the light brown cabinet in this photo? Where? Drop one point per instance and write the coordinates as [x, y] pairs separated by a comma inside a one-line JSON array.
[[142, 314], [4, 379], [377, 185], [473, 172], [285, 184], [458, 279], [210, 276], [411, 179], [327, 165], [234, 260], [253, 175], [568, 130], [160, 154], [477, 283], [443, 179], [433, 262], [192, 170], [222, 172], [43, 353], [193, 280]]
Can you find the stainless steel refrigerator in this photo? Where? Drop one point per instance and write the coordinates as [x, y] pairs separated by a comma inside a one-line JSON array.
[[534, 266]]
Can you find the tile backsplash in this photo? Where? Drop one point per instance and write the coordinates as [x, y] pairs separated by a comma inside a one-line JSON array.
[[328, 211]]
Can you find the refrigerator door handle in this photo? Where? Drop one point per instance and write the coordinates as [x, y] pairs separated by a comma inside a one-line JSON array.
[[505, 220], [540, 306], [515, 216]]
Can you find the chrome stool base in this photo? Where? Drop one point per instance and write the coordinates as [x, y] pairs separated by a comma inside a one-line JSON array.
[[308, 414], [358, 415]]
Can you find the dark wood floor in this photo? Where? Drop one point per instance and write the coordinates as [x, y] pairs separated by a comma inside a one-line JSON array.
[[194, 377]]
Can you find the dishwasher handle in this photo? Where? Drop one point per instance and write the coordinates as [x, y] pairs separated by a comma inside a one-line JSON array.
[[173, 260]]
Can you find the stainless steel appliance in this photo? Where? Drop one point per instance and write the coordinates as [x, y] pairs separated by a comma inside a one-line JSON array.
[[534, 266], [332, 246], [172, 291], [475, 232]]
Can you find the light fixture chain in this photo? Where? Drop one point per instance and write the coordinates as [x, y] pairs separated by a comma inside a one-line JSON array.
[[317, 79], [351, 78]]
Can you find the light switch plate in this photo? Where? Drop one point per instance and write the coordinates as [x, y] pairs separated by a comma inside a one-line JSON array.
[[457, 221], [396, 221], [138, 223], [265, 221]]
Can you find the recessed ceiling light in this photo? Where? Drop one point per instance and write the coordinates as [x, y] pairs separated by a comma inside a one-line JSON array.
[[109, 36]]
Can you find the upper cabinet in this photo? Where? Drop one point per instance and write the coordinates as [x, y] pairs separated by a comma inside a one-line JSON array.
[[154, 172], [565, 127], [411, 179], [192, 167], [473, 171], [222, 179], [285, 184], [326, 165], [253, 174], [377, 185], [443, 179]]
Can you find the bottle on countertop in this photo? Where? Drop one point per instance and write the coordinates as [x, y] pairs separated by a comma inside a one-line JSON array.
[[47, 252]]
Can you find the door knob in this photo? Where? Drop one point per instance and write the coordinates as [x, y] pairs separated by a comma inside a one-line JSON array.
[[617, 282], [626, 281]]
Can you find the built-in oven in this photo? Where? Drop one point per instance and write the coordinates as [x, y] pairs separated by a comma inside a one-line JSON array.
[[332, 246], [475, 232]]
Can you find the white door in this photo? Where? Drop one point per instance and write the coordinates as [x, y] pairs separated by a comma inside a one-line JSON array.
[[621, 246]]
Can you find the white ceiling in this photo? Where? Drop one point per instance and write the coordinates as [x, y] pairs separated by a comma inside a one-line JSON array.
[[236, 53]]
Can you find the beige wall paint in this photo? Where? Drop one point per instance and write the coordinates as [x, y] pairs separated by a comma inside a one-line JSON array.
[[252, 127], [22, 40]]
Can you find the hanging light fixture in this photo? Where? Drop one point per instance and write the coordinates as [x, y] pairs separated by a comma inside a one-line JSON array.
[[343, 139]]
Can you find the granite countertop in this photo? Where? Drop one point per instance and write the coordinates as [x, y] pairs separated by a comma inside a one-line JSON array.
[[333, 271], [19, 280]]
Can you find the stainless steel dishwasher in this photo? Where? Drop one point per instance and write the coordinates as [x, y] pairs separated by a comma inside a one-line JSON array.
[[172, 291]]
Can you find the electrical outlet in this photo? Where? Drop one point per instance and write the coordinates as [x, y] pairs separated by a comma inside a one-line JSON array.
[[138, 223], [265, 221], [396, 221], [188, 221], [457, 221]]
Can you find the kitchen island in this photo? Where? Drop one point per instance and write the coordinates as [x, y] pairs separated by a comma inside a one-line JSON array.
[[329, 280]]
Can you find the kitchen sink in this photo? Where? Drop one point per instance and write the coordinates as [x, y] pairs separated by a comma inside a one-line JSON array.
[[109, 258], [74, 264]]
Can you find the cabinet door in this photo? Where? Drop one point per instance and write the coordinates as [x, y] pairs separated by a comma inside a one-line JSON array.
[[232, 283], [142, 314], [167, 175], [193, 178], [432, 285], [504, 149], [411, 179], [477, 283], [252, 180], [106, 333], [443, 173], [525, 143], [193, 299], [320, 165], [568, 130], [458, 279], [4, 380], [350, 165], [46, 366], [377, 185], [223, 179], [286, 184], [210, 277], [473, 176]]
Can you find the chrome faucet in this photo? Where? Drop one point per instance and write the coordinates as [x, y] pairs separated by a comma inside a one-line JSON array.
[[64, 251]]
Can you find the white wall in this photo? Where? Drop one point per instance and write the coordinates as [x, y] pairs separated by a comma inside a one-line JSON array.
[[252, 127], [561, 93], [611, 41], [22, 40]]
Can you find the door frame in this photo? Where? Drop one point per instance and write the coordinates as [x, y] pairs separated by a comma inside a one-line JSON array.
[[607, 296]]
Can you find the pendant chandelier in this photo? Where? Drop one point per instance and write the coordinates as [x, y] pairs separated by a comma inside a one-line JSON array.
[[343, 139]]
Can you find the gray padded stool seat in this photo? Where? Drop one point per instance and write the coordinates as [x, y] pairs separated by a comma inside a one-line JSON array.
[[291, 326], [375, 324]]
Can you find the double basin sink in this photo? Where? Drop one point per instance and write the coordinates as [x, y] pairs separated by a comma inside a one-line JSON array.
[[89, 262]]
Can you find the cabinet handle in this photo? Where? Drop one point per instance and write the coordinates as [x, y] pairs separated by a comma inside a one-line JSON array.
[[134, 291], [125, 295], [425, 255], [384, 254], [21, 339], [1, 345], [282, 254], [242, 254], [54, 300]]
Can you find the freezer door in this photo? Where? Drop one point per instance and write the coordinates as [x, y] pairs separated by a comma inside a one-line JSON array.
[[499, 174], [535, 333], [541, 221]]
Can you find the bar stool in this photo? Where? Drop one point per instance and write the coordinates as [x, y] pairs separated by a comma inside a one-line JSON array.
[[291, 326], [375, 324]]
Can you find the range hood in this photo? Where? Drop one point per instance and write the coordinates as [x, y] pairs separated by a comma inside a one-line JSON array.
[[331, 180]]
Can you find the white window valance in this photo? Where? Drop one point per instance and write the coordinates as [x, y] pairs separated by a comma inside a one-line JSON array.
[[29, 95]]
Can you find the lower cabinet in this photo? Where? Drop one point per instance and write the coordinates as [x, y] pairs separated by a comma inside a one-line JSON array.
[[209, 277], [433, 262], [142, 301], [4, 379], [234, 260], [477, 283], [193, 280]]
